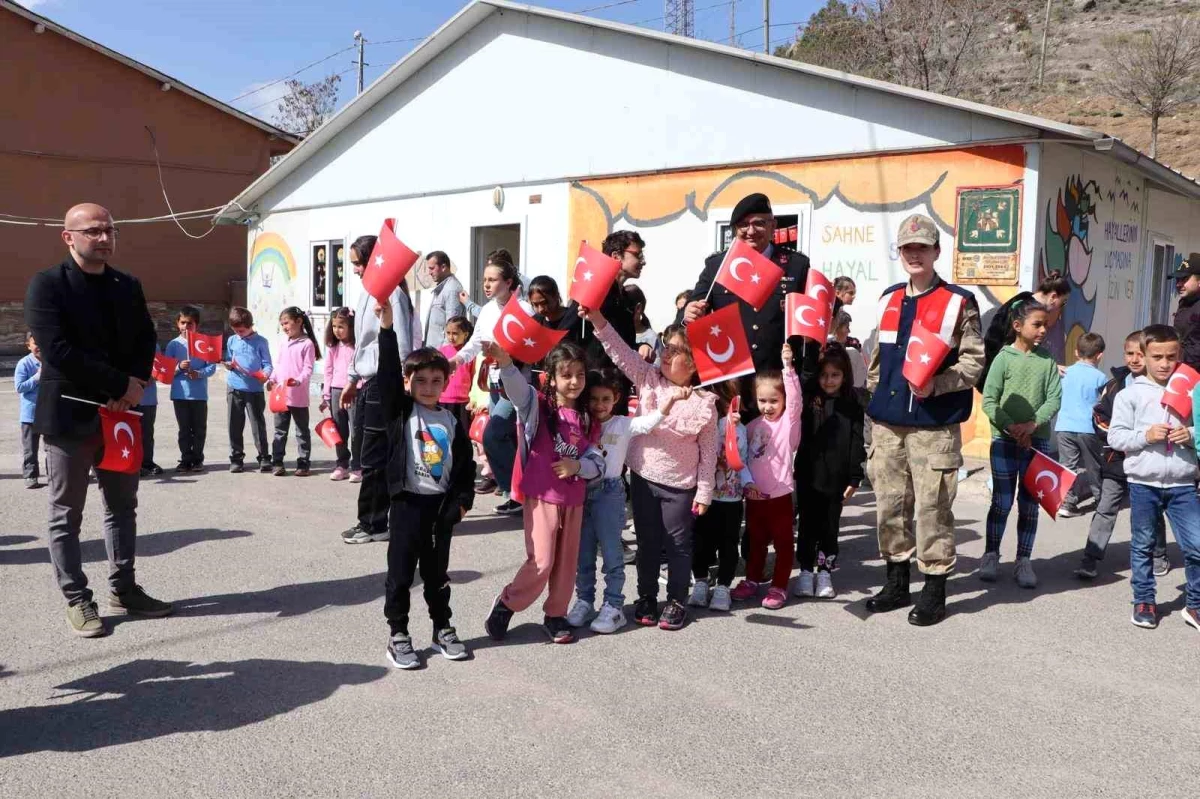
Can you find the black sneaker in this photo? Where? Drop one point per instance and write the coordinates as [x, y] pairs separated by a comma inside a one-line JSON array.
[[401, 654], [154, 469], [485, 486], [558, 629], [674, 616], [182, 467], [1145, 614], [236, 468], [1162, 566], [1087, 568], [361, 535], [498, 620], [510, 508], [265, 467], [446, 641], [137, 602], [645, 611], [32, 482]]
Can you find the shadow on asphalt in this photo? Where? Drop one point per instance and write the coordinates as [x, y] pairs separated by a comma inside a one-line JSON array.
[[12, 540], [775, 621], [148, 545], [147, 699]]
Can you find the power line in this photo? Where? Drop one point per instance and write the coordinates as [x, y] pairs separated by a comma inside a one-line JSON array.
[[292, 75], [605, 7]]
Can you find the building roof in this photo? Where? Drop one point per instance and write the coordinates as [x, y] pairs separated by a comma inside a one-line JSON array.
[[477, 11], [38, 19]]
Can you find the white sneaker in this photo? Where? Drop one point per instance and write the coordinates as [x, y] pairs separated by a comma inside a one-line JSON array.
[[580, 613], [804, 585], [989, 567], [609, 621], [1024, 573], [720, 599], [825, 585], [699, 597]]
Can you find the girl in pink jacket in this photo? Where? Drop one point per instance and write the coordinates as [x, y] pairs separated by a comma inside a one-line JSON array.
[[293, 370]]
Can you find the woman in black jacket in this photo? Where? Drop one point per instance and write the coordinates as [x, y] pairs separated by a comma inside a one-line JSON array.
[[829, 464]]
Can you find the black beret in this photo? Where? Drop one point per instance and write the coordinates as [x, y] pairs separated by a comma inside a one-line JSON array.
[[751, 204]]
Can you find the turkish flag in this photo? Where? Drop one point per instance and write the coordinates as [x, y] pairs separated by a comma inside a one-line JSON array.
[[749, 274], [633, 406], [277, 402], [521, 337], [1048, 481], [163, 369], [389, 262], [205, 347], [820, 288], [719, 346], [923, 356], [258, 375], [733, 458], [1178, 396], [478, 424], [594, 275], [122, 441], [807, 316], [328, 432]]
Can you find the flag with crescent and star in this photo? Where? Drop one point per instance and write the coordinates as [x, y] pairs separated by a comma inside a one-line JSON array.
[[277, 401], [719, 346], [205, 347], [1048, 481], [819, 287], [388, 263], [923, 356], [521, 337], [163, 368], [1178, 394], [122, 441], [749, 274], [807, 316], [733, 458], [594, 275]]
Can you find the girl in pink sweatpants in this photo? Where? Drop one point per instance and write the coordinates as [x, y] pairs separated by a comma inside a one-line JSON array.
[[553, 478]]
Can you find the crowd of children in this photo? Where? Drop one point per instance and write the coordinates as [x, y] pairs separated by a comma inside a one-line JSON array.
[[689, 491]]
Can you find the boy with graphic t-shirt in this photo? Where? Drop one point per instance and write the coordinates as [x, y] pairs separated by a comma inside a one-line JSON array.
[[430, 479]]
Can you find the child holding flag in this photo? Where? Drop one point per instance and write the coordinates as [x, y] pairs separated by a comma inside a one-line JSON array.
[[339, 354], [1160, 463], [189, 392], [1020, 397], [297, 356], [27, 377], [248, 359]]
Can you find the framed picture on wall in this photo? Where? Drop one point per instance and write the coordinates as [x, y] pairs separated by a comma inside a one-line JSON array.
[[328, 274], [987, 240]]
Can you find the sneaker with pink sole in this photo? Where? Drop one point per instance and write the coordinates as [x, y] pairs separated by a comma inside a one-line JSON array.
[[746, 589], [340, 474], [776, 598], [355, 477]]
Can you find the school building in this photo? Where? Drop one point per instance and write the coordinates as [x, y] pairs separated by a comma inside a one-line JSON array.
[[532, 129]]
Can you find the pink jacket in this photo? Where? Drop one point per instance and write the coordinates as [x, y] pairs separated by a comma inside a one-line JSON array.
[[772, 445], [458, 387], [295, 361], [337, 363], [681, 452]]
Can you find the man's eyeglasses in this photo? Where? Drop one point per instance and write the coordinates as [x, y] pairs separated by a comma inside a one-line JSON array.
[[94, 233], [641, 256], [753, 224]]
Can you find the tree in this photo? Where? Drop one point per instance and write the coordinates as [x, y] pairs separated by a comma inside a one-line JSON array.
[[929, 44], [1156, 70], [836, 37], [306, 106]]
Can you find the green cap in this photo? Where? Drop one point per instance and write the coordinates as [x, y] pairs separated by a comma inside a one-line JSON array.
[[917, 229]]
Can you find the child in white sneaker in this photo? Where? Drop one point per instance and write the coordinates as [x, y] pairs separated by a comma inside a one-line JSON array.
[[604, 508]]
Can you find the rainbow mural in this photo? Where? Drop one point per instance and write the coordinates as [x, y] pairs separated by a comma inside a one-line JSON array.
[[270, 280]]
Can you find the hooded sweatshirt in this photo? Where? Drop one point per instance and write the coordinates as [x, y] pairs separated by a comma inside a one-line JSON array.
[[1134, 410]]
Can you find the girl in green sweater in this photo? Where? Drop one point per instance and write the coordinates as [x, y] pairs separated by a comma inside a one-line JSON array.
[[1020, 397]]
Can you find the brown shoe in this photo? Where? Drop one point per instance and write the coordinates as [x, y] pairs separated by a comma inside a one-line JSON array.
[[302, 472], [137, 602]]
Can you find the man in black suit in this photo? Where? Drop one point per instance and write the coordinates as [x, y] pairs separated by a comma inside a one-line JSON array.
[[97, 342], [754, 222]]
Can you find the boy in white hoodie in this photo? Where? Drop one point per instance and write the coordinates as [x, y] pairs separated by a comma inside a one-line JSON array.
[[1160, 462]]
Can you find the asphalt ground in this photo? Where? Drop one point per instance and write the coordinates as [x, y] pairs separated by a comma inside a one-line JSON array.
[[271, 679]]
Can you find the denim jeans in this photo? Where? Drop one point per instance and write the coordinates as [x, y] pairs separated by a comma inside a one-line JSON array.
[[500, 442], [1182, 509], [603, 520]]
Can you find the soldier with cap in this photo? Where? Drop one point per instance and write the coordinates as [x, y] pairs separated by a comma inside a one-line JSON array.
[[753, 222], [916, 446], [1187, 318]]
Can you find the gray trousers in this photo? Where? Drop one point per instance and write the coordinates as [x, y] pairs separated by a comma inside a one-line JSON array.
[[1080, 452], [68, 461], [1113, 494], [149, 415], [29, 452], [303, 437], [243, 405]]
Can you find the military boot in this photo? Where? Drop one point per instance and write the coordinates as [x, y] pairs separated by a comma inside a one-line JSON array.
[[895, 591], [931, 605]]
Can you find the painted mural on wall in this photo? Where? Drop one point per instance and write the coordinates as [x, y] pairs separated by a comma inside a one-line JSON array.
[[271, 280], [1092, 235], [847, 211]]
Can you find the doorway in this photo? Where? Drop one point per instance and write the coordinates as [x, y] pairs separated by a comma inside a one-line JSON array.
[[1161, 285], [483, 241]]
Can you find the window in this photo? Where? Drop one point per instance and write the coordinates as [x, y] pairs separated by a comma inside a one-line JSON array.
[[1161, 284], [791, 230], [328, 274]]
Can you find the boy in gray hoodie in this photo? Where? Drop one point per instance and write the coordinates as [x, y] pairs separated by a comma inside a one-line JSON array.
[[1160, 463]]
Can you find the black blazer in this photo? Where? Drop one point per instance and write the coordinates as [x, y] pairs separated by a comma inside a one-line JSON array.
[[75, 362]]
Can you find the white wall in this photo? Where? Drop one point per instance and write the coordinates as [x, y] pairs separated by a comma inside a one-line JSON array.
[[522, 98]]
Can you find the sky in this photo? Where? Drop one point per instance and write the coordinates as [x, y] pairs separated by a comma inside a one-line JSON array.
[[231, 48]]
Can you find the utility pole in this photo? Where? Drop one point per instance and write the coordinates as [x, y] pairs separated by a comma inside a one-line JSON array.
[[1042, 60], [733, 23], [767, 26], [358, 37]]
